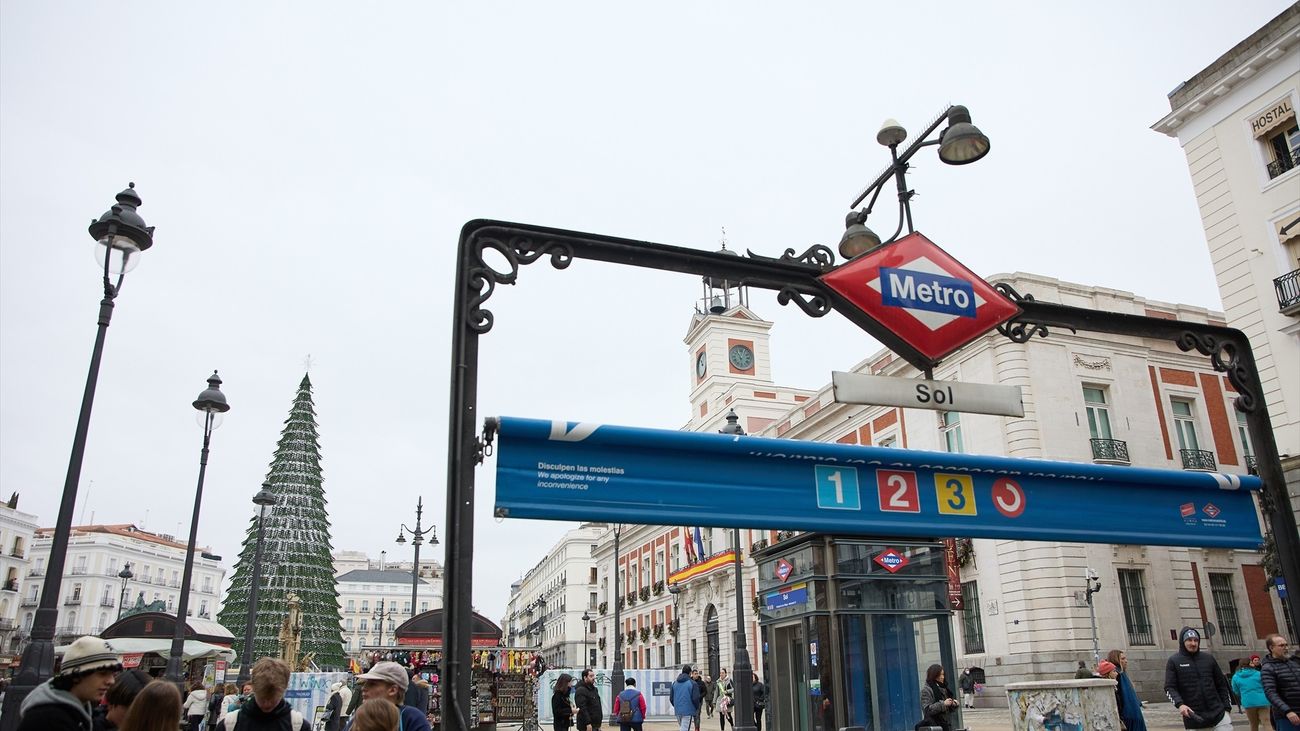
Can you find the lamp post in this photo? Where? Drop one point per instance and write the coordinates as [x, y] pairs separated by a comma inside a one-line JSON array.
[[586, 625], [381, 616], [211, 404], [1093, 585], [125, 575], [960, 143], [616, 672], [264, 499], [742, 671], [417, 537], [122, 234], [676, 591]]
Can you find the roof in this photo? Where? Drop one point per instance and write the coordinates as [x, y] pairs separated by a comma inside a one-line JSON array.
[[127, 530], [373, 576]]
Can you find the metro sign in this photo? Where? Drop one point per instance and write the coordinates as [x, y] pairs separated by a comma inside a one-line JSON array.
[[783, 569], [921, 294], [891, 560]]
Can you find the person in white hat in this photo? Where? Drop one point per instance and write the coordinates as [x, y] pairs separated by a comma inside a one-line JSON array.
[[64, 702], [389, 681]]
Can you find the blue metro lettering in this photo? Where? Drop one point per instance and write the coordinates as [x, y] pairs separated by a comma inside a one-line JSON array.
[[925, 291]]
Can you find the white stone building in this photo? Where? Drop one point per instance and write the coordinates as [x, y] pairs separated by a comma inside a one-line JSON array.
[[92, 591], [546, 606], [1236, 122], [368, 588], [17, 529]]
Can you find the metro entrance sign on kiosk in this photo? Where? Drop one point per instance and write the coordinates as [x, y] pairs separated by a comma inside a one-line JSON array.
[[922, 294]]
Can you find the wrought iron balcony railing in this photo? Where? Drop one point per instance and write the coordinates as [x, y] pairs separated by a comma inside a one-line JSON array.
[[1198, 459], [1110, 451], [1283, 164], [1288, 292], [1251, 465]]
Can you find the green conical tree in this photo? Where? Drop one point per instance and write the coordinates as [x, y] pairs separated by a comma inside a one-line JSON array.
[[295, 550]]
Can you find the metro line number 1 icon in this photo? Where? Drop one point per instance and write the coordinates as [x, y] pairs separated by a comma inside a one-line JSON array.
[[837, 488]]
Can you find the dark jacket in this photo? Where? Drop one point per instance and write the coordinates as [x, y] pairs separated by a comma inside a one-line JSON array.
[[966, 682], [561, 711], [333, 711], [49, 709], [704, 692], [1281, 679], [933, 707], [217, 700], [760, 695], [589, 709], [251, 718], [1194, 680]]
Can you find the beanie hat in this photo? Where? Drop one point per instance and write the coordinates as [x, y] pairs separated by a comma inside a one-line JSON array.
[[87, 654], [1189, 634], [1105, 668], [1253, 658]]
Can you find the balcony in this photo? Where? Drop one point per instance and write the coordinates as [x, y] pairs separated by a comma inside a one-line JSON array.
[[1252, 466], [30, 601], [1283, 164], [36, 572], [1198, 459], [108, 601], [1109, 451], [10, 585], [72, 601], [6, 625], [1288, 293], [17, 553]]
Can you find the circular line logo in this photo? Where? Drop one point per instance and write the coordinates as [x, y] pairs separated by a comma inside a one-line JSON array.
[[1008, 497]]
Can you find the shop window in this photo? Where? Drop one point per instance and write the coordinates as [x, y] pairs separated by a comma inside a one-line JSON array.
[[1225, 606], [972, 628], [1137, 617]]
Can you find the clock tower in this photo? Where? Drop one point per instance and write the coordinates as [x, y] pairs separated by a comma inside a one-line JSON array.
[[727, 346]]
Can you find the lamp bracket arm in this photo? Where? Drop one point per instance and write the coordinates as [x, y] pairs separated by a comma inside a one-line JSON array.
[[483, 446]]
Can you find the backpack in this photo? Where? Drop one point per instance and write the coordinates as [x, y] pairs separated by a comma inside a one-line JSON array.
[[232, 718], [625, 712]]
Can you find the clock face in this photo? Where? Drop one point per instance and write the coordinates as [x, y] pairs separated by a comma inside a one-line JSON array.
[[701, 365], [741, 357]]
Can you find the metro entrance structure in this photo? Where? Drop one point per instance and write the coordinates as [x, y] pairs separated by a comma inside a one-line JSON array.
[[797, 279]]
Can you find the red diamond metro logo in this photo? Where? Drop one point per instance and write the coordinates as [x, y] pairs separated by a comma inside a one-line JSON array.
[[1211, 510], [891, 560], [921, 294]]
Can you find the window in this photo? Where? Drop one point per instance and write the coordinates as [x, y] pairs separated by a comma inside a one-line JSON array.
[[347, 624], [203, 608], [1137, 619], [1225, 605], [80, 566], [424, 606], [1244, 433], [352, 605], [76, 592], [645, 573], [950, 431], [972, 629], [112, 566], [591, 600], [659, 564], [889, 441], [406, 607], [676, 557], [1284, 147], [365, 605], [1184, 424], [364, 626], [1094, 401]]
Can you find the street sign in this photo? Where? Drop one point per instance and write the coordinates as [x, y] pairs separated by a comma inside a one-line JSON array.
[[923, 295], [917, 393], [783, 569], [591, 472]]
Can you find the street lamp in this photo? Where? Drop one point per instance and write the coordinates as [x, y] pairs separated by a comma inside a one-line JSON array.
[[616, 672], [417, 537], [125, 575], [960, 143], [742, 672], [264, 499], [121, 234], [210, 404], [1093, 585], [676, 591], [586, 625], [381, 616]]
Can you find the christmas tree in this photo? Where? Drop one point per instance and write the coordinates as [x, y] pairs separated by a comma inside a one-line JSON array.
[[295, 551]]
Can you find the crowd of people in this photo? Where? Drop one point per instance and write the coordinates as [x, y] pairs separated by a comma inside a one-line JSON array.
[[694, 696]]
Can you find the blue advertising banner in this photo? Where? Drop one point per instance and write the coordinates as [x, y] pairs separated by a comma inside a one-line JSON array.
[[559, 470]]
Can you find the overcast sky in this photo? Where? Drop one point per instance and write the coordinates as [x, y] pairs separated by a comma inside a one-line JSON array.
[[308, 167]]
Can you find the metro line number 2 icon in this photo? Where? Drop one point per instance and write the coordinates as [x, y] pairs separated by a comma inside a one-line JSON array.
[[898, 491]]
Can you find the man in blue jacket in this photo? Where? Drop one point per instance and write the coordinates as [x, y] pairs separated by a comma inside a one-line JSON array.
[[687, 699]]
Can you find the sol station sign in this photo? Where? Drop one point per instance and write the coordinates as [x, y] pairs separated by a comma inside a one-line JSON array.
[[923, 295]]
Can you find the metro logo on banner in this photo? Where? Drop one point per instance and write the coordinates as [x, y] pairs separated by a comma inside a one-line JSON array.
[[922, 294]]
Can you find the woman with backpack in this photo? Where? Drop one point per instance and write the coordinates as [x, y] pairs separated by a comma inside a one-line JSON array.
[[629, 707]]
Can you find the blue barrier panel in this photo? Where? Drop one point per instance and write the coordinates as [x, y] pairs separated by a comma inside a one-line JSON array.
[[579, 471]]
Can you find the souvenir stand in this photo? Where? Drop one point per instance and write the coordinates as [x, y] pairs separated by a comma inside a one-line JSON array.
[[504, 680]]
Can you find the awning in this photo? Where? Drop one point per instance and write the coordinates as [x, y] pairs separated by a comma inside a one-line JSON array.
[[193, 650], [1272, 118]]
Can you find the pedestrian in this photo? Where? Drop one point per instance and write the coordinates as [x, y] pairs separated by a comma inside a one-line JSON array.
[[1130, 713], [760, 702], [686, 699], [117, 701], [587, 698], [196, 705], [966, 684], [156, 708], [388, 681], [1248, 684], [937, 701], [266, 710], [724, 700], [1280, 676], [561, 709], [345, 695], [1196, 686], [216, 700], [629, 707], [1083, 673], [710, 689], [704, 694], [418, 692], [231, 701], [63, 703], [376, 714], [334, 709]]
